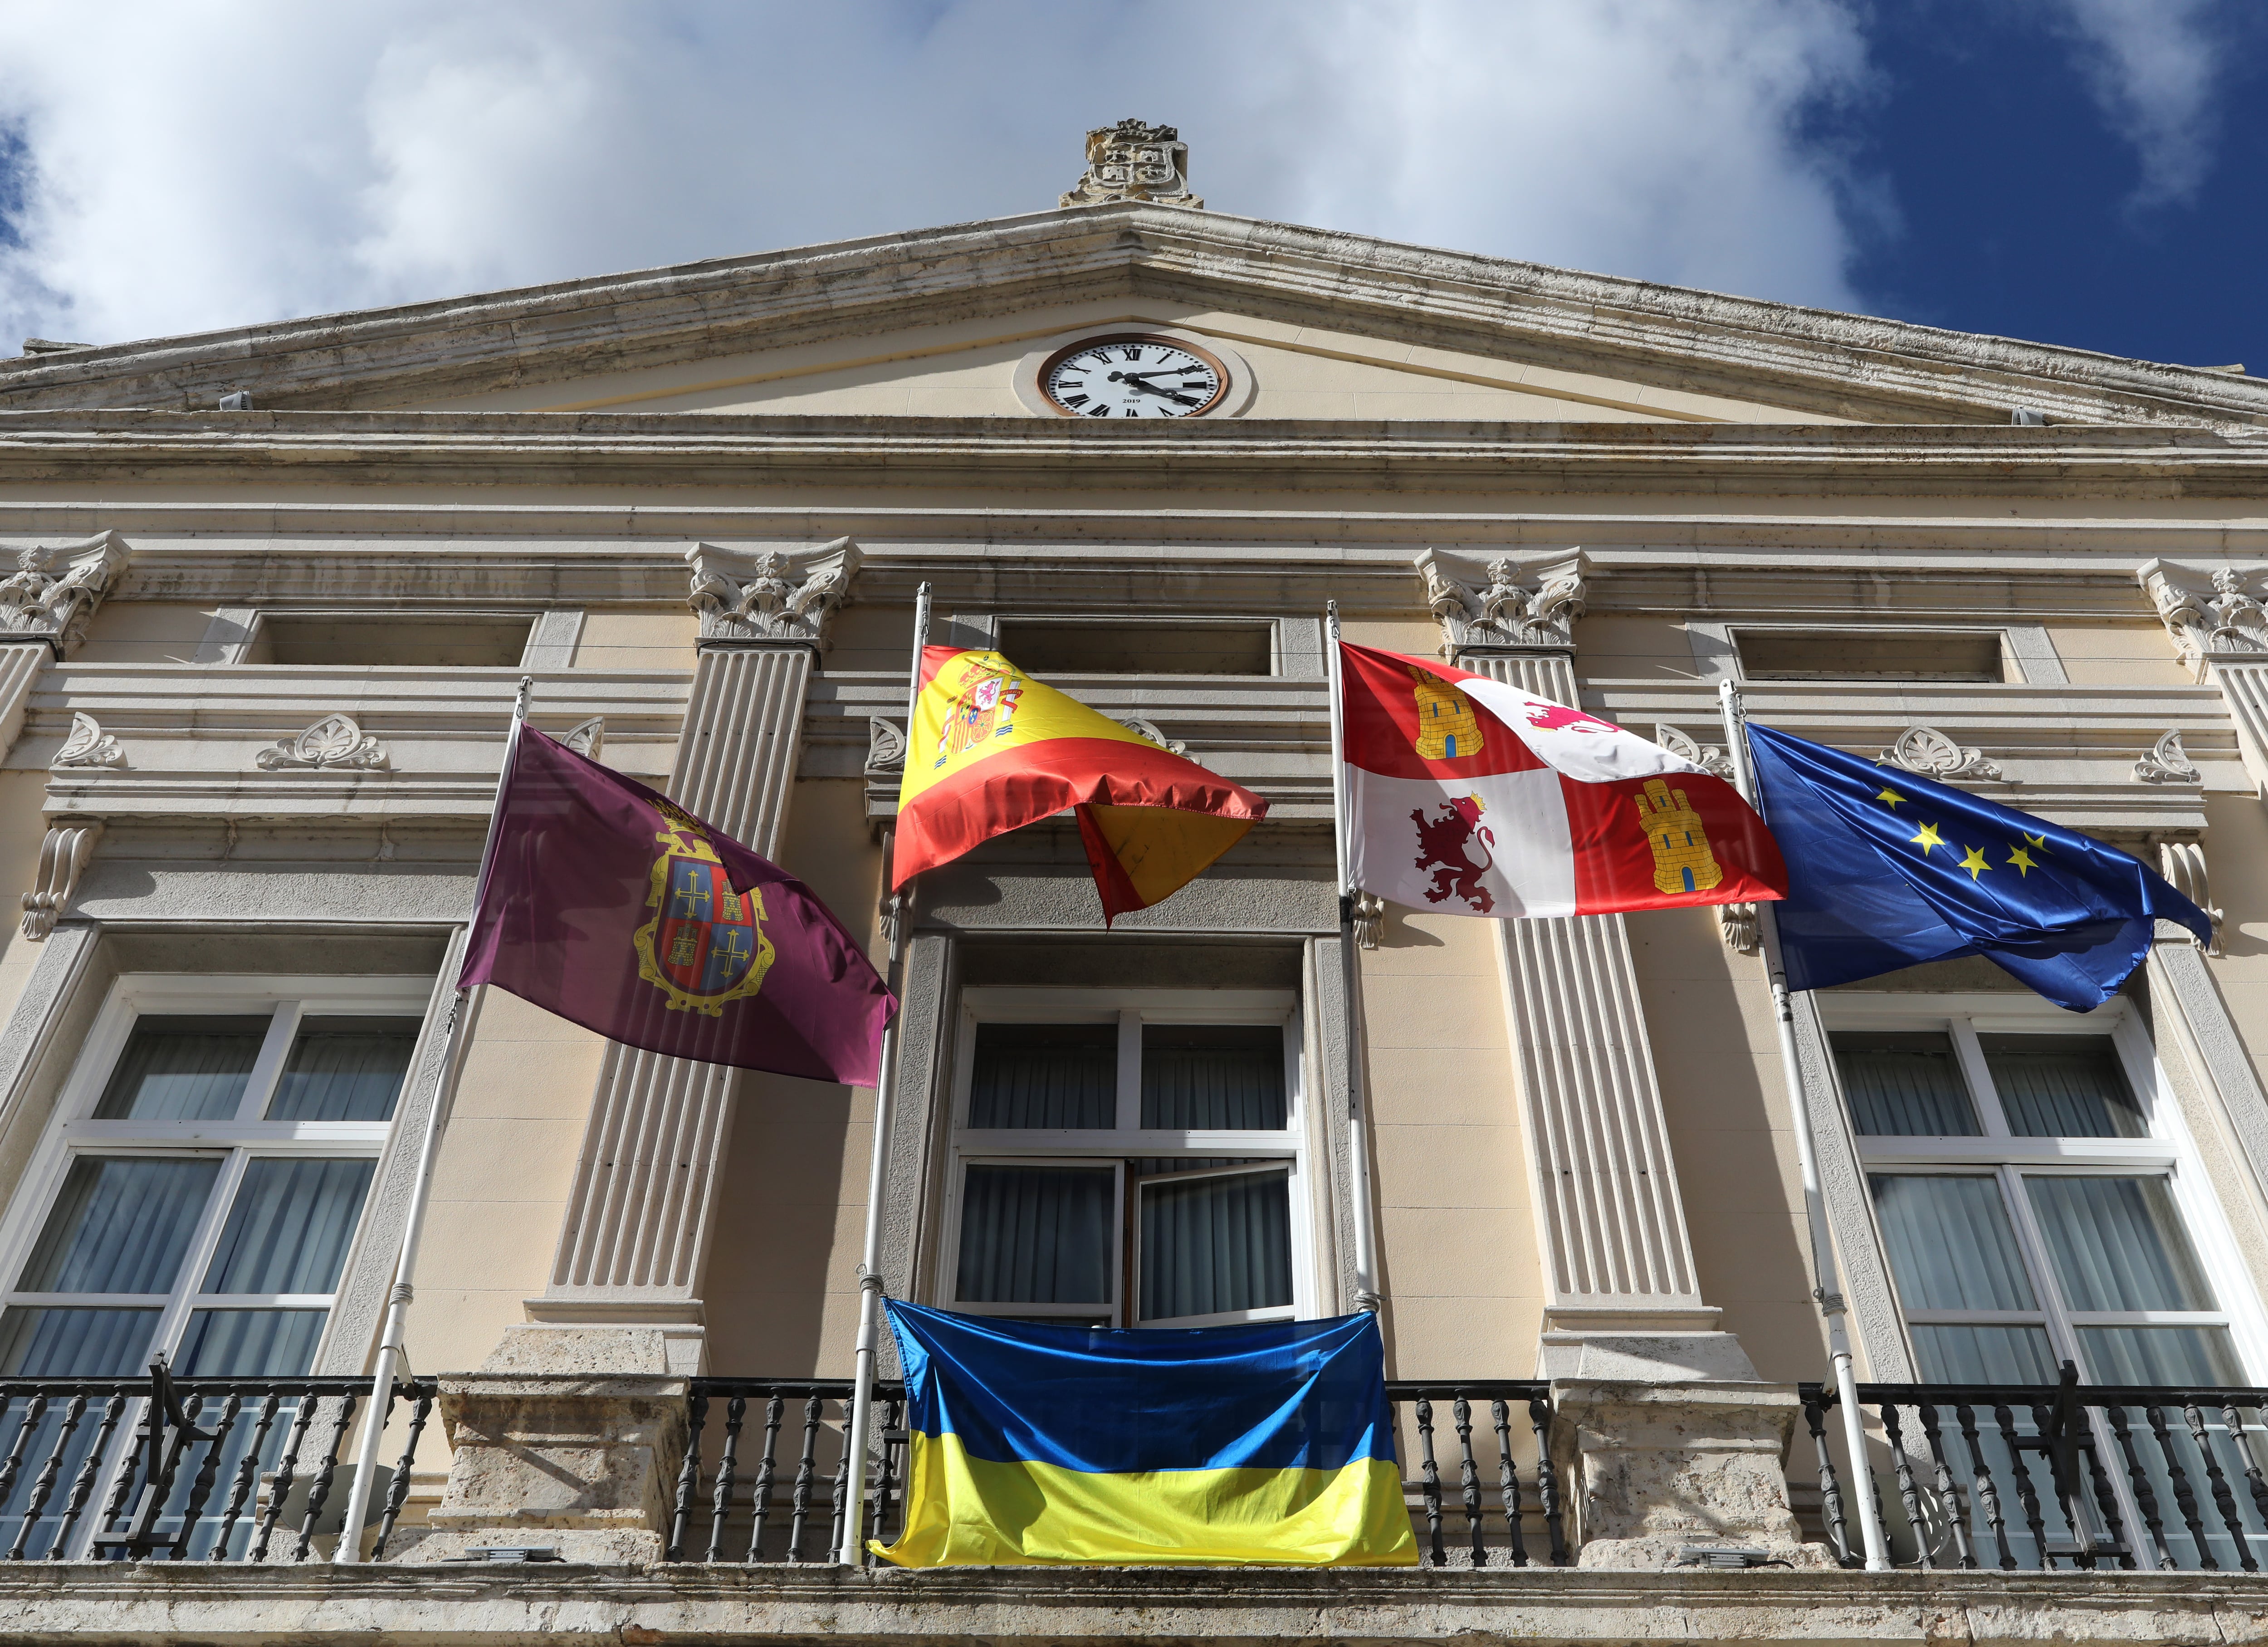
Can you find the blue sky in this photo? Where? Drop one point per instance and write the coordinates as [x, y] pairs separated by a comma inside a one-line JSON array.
[[2078, 172]]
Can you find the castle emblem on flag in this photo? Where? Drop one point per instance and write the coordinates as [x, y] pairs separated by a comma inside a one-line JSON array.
[[984, 709], [1681, 859], [1447, 845], [705, 945], [1446, 726]]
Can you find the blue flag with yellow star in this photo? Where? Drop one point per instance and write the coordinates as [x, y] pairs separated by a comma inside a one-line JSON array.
[[1887, 869]]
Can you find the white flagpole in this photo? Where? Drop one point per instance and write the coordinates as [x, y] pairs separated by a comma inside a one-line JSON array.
[[1828, 1288], [1366, 1230], [870, 1278], [391, 1352]]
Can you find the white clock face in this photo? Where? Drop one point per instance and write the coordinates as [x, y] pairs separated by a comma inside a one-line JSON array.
[[1132, 377]]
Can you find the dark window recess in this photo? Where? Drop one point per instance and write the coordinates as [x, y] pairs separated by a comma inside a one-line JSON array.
[[1871, 654], [1065, 647], [412, 640]]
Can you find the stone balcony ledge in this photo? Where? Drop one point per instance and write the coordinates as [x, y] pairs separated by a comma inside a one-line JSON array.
[[504, 1606]]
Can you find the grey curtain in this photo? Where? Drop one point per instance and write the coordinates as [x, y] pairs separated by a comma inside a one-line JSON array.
[[250, 1343], [1214, 1245], [1904, 1085], [1045, 1075], [1950, 1244], [1035, 1235], [122, 1224], [345, 1068], [1984, 1355], [1213, 1077], [2118, 1244], [182, 1068], [2062, 1087], [288, 1229], [46, 1343]]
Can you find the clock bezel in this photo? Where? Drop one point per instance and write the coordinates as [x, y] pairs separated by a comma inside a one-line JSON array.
[[1224, 377]]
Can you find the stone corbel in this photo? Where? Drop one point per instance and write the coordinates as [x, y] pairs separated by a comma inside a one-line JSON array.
[[1369, 914], [2229, 622], [1929, 752], [771, 599], [63, 857], [88, 745], [2182, 864], [2167, 762], [54, 592], [1533, 610]]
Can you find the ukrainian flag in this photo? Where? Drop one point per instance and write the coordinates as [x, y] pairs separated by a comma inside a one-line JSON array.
[[1038, 1444]]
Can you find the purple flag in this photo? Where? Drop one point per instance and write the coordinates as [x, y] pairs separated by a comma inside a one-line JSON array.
[[614, 907]]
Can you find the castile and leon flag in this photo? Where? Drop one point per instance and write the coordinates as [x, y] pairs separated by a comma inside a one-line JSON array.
[[1468, 795]]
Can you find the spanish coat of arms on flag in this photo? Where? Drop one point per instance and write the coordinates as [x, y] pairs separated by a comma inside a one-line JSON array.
[[1468, 795]]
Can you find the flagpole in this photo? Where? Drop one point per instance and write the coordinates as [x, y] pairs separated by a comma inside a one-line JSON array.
[[1365, 1231], [1828, 1288], [391, 1351], [856, 1441]]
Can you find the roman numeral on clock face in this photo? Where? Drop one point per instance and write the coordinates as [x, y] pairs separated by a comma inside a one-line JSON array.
[[1074, 400]]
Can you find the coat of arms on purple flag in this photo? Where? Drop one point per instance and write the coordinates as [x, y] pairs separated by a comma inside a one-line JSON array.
[[611, 906]]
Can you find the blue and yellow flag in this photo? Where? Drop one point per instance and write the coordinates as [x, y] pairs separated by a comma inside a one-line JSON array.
[[1038, 1444], [1887, 869]]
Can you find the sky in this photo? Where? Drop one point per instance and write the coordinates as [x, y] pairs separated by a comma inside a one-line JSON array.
[[2073, 171]]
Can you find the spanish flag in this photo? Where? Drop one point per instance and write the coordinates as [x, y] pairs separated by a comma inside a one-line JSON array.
[[1037, 1444], [992, 750]]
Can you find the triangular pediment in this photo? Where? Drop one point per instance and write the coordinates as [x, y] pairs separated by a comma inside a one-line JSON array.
[[1333, 328]]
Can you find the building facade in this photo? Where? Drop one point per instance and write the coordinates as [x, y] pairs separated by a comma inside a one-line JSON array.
[[276, 589]]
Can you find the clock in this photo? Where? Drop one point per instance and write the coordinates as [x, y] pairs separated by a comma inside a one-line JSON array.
[[1133, 374]]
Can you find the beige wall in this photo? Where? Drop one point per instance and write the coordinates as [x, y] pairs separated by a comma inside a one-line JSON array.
[[1634, 649], [2117, 655], [145, 632], [636, 637]]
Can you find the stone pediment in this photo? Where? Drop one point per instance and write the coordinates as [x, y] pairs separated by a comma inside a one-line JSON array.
[[1357, 326]]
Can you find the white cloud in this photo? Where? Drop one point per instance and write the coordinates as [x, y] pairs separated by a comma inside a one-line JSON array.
[[2152, 66], [207, 163]]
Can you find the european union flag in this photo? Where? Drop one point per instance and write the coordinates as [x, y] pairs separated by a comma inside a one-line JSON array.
[[1886, 868]]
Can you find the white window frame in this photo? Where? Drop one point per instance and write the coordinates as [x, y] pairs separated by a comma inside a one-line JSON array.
[[2166, 1151], [1130, 1010], [236, 1141]]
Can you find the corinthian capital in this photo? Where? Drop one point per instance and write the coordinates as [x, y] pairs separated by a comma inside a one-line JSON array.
[[1532, 609], [771, 596], [2206, 618], [55, 590]]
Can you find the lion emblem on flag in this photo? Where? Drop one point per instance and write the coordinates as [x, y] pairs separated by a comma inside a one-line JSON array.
[[1457, 847], [705, 945]]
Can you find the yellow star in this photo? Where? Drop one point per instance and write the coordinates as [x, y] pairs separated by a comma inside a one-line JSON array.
[[1974, 863], [2022, 859], [1890, 798], [2039, 841], [1928, 838]]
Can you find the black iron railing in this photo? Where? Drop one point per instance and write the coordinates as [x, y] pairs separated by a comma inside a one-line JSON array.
[[201, 1469], [765, 1477], [2064, 1474]]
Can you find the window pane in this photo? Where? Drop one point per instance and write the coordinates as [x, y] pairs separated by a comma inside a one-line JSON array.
[[1950, 1244], [2190, 1356], [1213, 1077], [250, 1343], [345, 1068], [1045, 1075], [288, 1229], [1035, 1235], [1984, 1355], [120, 1225], [1211, 1245], [1904, 1085], [182, 1068], [2118, 1244], [74, 1343], [2063, 1087]]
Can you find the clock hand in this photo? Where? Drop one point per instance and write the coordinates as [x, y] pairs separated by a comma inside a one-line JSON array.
[[1152, 388]]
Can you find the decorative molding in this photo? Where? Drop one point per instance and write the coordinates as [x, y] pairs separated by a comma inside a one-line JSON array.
[[2227, 622], [1536, 611], [1737, 923], [886, 746], [586, 738], [1709, 757], [63, 857], [764, 601], [54, 592], [1143, 728], [335, 741], [88, 745], [1134, 161], [1369, 914], [1925, 750], [2182, 864], [2167, 762]]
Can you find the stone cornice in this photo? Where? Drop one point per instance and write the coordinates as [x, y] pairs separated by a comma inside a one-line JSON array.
[[1838, 365], [631, 450]]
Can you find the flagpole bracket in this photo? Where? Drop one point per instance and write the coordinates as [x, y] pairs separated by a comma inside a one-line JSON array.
[[870, 1280]]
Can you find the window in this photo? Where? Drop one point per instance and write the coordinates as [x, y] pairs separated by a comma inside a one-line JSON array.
[[2031, 1207], [199, 1191], [1873, 654], [421, 639], [1076, 646], [1128, 1157]]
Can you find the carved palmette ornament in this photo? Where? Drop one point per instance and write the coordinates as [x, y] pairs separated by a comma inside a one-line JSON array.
[[2167, 762], [586, 738], [88, 745], [1141, 728], [334, 742], [1708, 757], [886, 746], [1925, 750]]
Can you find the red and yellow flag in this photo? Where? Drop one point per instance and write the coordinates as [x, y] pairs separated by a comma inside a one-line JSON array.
[[991, 750]]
